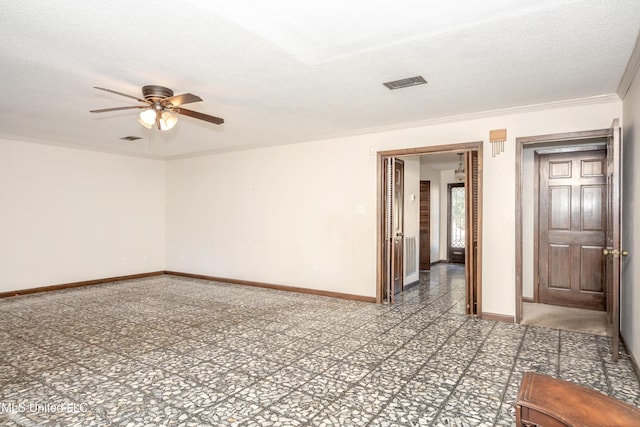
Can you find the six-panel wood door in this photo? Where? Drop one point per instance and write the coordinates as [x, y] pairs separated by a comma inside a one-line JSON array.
[[572, 225]]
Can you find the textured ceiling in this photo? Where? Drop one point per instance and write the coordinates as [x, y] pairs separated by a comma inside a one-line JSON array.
[[289, 71]]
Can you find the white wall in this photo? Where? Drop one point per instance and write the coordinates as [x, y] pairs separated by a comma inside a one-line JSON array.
[[630, 293], [284, 215], [412, 211], [272, 214], [433, 175], [72, 215]]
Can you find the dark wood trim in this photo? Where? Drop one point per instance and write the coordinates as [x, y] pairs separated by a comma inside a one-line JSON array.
[[448, 148], [519, 225], [380, 228], [274, 286], [536, 231], [479, 231], [397, 248], [469, 243], [528, 299], [193, 276], [78, 284], [497, 317], [564, 137]]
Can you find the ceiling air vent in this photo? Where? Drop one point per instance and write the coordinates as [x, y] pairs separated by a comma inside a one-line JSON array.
[[131, 138], [408, 82]]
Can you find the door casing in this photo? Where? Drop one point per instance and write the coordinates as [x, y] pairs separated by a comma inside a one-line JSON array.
[[476, 275]]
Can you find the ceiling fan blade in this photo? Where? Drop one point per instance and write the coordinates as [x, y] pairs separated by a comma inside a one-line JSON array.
[[185, 98], [120, 93], [104, 110], [196, 115]]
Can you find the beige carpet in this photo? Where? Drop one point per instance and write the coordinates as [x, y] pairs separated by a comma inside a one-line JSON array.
[[566, 318]]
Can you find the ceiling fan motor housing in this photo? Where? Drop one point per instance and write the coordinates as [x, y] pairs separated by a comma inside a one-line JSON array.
[[154, 93]]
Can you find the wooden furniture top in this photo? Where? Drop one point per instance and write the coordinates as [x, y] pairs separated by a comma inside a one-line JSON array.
[[573, 404]]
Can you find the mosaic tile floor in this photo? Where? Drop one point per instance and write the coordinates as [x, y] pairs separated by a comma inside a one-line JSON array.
[[173, 351]]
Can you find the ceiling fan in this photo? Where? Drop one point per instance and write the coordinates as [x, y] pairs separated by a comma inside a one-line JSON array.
[[160, 106]]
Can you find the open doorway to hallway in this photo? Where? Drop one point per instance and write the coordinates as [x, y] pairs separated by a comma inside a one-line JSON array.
[[432, 169]]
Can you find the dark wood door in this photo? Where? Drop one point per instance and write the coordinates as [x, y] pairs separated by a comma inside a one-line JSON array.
[[398, 226], [572, 224], [613, 250], [425, 225]]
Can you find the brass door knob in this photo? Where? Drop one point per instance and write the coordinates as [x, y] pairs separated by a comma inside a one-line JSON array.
[[614, 252]]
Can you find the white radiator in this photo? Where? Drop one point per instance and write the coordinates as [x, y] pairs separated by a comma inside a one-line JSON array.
[[410, 258]]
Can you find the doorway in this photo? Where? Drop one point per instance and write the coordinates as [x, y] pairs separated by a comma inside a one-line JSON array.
[[456, 222], [385, 234], [574, 273]]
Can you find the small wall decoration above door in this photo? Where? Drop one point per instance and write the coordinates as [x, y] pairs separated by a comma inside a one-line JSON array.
[[497, 137]]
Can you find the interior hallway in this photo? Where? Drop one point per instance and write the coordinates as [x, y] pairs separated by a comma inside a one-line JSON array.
[[171, 350]]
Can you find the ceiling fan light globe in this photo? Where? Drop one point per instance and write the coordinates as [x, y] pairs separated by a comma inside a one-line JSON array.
[[144, 124], [147, 118], [167, 121]]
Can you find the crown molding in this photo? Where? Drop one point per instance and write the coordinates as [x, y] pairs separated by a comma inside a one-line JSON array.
[[630, 72], [592, 100], [578, 102]]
